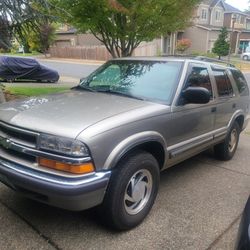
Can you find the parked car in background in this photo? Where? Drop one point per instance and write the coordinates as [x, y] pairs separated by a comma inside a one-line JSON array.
[[245, 56], [105, 141], [243, 240], [23, 68]]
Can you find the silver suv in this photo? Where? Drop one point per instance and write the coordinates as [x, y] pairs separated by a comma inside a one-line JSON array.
[[105, 141]]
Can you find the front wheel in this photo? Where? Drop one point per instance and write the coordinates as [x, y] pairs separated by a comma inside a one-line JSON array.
[[132, 190], [226, 150]]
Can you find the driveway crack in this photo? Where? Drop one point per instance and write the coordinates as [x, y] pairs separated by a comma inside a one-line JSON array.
[[218, 166], [36, 230], [224, 232]]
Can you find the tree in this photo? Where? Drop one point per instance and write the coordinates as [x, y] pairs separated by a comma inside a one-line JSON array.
[[5, 35], [121, 25], [42, 38], [24, 16], [183, 45], [221, 45]]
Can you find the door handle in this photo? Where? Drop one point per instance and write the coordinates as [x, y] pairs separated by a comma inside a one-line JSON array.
[[234, 105], [213, 110]]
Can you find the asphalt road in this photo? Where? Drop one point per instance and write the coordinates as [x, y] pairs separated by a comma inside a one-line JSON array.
[[198, 207], [68, 69]]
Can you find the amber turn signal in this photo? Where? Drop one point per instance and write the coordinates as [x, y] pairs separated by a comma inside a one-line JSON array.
[[83, 168]]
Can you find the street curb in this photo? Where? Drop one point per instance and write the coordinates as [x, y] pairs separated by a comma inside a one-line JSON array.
[[72, 61]]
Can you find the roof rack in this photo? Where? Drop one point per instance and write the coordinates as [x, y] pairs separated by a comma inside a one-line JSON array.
[[202, 58], [207, 59]]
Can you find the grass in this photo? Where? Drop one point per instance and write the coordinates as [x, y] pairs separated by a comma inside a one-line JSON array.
[[21, 54], [34, 91], [243, 66]]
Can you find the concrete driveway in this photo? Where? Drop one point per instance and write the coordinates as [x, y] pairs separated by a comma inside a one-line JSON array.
[[198, 207]]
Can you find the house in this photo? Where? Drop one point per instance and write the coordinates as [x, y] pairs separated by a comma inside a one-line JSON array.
[[209, 17], [67, 36]]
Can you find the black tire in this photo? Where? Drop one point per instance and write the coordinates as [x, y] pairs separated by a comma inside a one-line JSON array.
[[115, 206], [245, 58], [225, 151]]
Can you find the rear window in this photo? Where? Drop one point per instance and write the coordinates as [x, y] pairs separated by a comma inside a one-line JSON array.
[[241, 82], [223, 83]]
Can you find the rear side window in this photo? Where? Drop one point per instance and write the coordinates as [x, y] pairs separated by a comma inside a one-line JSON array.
[[223, 83], [241, 82]]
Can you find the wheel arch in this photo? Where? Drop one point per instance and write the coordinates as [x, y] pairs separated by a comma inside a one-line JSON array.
[[151, 142], [239, 117]]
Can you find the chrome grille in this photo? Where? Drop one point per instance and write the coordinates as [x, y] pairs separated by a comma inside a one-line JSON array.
[[18, 135]]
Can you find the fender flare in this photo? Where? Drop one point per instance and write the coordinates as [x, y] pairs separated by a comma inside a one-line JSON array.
[[237, 113], [131, 142]]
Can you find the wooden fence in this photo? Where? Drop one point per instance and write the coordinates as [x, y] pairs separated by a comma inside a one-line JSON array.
[[98, 53]]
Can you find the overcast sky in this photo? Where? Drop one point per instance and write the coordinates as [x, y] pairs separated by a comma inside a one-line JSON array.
[[240, 4]]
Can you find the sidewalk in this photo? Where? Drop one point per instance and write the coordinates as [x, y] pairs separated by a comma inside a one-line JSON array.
[[69, 60]]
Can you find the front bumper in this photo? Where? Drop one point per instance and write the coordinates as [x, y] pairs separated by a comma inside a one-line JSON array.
[[64, 192]]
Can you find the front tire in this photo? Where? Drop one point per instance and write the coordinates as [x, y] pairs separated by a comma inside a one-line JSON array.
[[226, 150], [132, 190]]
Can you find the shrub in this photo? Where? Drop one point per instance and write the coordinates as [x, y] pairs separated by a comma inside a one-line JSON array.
[[183, 45]]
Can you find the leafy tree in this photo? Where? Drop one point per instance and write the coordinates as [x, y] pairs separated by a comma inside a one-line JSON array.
[[121, 25], [42, 38], [24, 17], [221, 45], [5, 35]]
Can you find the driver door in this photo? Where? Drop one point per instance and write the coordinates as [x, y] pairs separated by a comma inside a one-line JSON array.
[[192, 124]]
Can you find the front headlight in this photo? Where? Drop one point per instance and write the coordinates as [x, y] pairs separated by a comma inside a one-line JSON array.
[[62, 145]]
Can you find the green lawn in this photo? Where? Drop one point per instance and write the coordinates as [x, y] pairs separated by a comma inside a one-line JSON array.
[[34, 91], [21, 54]]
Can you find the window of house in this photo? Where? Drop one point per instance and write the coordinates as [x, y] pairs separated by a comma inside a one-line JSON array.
[[238, 18], [204, 14], [242, 20], [217, 15], [223, 83]]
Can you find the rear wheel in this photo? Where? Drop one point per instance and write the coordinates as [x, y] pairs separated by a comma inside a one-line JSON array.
[[132, 191], [226, 150]]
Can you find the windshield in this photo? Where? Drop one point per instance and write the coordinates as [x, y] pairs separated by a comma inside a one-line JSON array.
[[147, 80]]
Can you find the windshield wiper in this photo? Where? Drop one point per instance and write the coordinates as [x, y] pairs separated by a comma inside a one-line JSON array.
[[119, 93]]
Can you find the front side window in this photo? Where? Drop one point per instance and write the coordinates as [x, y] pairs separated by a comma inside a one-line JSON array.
[[223, 83], [199, 77], [241, 82], [150, 80]]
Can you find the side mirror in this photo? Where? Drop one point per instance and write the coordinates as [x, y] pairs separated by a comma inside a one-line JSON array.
[[196, 95]]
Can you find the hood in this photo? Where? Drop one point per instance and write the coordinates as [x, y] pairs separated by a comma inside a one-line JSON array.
[[68, 113]]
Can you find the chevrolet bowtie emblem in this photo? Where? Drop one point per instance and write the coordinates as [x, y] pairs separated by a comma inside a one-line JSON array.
[[5, 142]]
